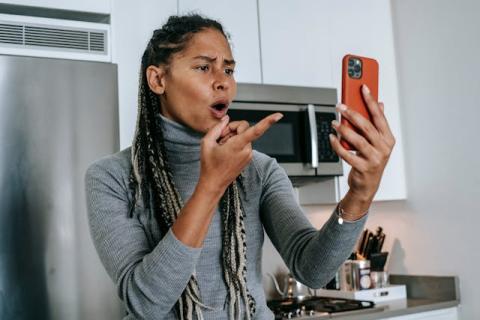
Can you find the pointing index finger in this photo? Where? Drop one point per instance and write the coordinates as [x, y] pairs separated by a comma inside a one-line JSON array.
[[256, 131]]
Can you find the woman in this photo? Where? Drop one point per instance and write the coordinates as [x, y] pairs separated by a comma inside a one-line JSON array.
[[178, 218]]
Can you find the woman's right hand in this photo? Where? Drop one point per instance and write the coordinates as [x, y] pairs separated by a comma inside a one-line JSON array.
[[221, 162]]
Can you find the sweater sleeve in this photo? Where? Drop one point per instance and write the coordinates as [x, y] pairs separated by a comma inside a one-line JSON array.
[[313, 256], [149, 282]]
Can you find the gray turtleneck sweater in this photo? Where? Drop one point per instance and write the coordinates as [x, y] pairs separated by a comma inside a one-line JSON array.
[[150, 282]]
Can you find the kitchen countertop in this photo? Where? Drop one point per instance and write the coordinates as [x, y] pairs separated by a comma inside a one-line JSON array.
[[424, 293]]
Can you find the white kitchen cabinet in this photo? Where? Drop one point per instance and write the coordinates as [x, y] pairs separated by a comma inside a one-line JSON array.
[[443, 314], [303, 44], [132, 27], [97, 6], [295, 42], [239, 19]]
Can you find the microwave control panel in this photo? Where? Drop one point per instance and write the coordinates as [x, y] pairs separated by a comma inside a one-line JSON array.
[[324, 128]]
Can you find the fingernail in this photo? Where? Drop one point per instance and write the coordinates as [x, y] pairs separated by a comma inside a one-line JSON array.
[[365, 89], [330, 136], [341, 107], [225, 118], [335, 123], [278, 117]]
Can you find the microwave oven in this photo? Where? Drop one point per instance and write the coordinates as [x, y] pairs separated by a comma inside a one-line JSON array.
[[299, 141]]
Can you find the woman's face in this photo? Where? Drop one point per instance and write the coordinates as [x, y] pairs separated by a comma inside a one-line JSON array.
[[199, 84]]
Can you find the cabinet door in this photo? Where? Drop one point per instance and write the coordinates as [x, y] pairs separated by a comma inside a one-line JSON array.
[[239, 19], [132, 27], [295, 42], [365, 28], [99, 6]]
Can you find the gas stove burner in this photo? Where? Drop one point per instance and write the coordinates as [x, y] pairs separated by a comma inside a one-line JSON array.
[[314, 306]]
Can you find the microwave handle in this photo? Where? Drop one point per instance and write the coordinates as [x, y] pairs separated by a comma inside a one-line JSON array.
[[312, 121]]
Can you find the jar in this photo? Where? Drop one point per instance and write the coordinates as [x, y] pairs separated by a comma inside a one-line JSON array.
[[356, 275]]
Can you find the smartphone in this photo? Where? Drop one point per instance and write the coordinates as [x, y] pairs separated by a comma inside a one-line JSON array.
[[356, 71]]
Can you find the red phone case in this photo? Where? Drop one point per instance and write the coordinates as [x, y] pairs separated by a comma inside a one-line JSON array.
[[352, 89]]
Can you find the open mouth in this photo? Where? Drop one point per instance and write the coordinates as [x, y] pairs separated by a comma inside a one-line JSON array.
[[219, 107], [219, 110]]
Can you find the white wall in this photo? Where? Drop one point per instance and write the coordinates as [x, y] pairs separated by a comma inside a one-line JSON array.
[[438, 57], [435, 231]]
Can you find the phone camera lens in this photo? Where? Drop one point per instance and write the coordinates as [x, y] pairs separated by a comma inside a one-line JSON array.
[[350, 73], [357, 68], [351, 62]]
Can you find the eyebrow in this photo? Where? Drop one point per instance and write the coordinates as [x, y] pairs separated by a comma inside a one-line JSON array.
[[210, 59]]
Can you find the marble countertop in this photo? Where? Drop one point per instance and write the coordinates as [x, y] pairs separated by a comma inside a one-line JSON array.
[[424, 293]]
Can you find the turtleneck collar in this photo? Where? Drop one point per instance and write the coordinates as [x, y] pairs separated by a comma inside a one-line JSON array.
[[181, 142]]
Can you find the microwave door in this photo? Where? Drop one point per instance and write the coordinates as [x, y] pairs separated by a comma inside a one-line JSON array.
[[285, 140]]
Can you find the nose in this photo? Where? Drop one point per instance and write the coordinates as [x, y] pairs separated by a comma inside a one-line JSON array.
[[219, 86], [220, 81]]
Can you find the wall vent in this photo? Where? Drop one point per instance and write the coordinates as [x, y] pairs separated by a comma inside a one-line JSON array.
[[11, 34], [24, 35], [44, 36]]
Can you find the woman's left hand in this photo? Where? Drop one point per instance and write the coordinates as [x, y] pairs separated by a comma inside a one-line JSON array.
[[374, 144]]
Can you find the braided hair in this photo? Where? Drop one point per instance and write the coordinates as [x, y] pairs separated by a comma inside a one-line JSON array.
[[152, 182]]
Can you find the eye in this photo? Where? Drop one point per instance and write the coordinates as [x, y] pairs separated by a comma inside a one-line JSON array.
[[229, 71], [203, 68]]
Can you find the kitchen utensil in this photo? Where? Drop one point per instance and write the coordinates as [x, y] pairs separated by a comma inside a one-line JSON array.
[[381, 240], [371, 243], [368, 245], [356, 275], [378, 260], [292, 288], [361, 244], [379, 279]]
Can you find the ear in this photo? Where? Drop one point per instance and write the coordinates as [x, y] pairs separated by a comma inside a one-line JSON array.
[[156, 79]]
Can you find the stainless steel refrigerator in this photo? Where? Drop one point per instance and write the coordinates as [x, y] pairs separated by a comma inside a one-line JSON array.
[[56, 117]]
